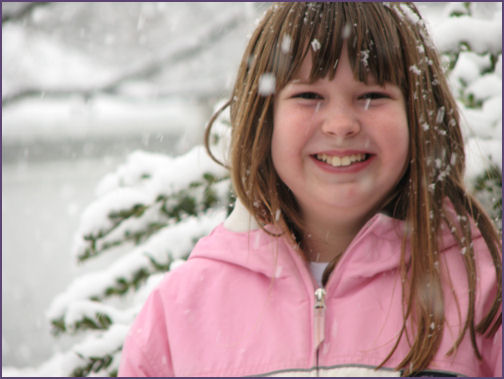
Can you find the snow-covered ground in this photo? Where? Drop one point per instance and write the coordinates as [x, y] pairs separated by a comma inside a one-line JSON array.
[[55, 150]]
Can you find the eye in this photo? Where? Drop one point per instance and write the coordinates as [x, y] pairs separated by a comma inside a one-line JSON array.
[[374, 96], [308, 96]]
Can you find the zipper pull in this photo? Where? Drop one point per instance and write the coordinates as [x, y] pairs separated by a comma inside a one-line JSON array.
[[319, 317]]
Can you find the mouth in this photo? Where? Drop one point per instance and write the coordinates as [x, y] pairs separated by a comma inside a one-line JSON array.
[[342, 161]]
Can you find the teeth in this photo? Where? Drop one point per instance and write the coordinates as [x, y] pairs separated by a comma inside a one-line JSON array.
[[341, 161]]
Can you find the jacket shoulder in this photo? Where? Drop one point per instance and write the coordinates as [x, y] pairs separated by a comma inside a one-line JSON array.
[[146, 350], [455, 279]]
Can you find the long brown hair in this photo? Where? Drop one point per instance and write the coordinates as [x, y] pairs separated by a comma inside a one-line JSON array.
[[390, 42]]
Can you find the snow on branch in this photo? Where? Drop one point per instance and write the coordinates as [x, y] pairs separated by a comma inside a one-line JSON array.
[[455, 31], [147, 194], [97, 355], [130, 271], [161, 205]]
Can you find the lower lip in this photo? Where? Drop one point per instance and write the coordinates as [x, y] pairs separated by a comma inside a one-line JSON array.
[[351, 169]]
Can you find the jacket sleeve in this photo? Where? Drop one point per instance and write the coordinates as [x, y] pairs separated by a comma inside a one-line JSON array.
[[491, 352], [133, 361], [498, 353], [146, 351], [490, 347]]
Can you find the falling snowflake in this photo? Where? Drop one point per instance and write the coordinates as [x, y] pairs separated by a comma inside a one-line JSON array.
[[315, 44], [286, 44], [267, 83], [415, 70], [347, 29], [364, 56]]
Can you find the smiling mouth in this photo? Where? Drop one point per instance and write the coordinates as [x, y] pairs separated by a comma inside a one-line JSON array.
[[344, 161]]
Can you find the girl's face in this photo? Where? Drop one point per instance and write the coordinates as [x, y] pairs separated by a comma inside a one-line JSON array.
[[340, 145]]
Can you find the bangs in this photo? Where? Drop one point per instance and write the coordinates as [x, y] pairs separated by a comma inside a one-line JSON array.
[[370, 31]]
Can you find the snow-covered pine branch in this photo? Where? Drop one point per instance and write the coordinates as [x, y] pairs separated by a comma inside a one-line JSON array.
[[146, 194], [187, 196], [474, 61], [97, 355], [128, 273]]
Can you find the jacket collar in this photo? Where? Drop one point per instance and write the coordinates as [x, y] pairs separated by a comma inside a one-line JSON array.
[[240, 241], [240, 220]]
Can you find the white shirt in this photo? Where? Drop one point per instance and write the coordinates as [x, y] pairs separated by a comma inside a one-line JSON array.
[[317, 269]]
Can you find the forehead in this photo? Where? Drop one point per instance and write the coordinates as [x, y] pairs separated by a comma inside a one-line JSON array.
[[303, 74]]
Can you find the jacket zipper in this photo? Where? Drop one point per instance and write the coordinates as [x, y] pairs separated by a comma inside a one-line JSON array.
[[319, 321]]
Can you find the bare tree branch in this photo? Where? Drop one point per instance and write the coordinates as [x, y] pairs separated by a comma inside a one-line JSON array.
[[21, 10], [187, 52]]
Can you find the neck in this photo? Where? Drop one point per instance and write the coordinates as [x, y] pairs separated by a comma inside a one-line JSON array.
[[326, 240]]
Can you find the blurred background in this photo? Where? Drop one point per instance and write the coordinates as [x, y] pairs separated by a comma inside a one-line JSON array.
[[83, 85]]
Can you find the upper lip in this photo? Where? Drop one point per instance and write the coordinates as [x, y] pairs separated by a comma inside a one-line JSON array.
[[342, 153]]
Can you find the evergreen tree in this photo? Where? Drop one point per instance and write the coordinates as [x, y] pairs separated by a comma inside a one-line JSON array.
[[152, 210], [472, 50]]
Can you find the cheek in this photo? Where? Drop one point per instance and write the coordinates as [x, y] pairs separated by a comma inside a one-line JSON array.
[[392, 132], [292, 126], [277, 145], [284, 132], [404, 139], [398, 146], [287, 143]]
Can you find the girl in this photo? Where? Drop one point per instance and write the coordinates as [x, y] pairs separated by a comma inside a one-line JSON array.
[[353, 248]]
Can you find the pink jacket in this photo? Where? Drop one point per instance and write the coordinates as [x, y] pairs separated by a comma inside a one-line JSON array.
[[245, 303]]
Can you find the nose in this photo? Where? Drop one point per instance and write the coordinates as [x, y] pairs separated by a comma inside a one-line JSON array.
[[339, 120]]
